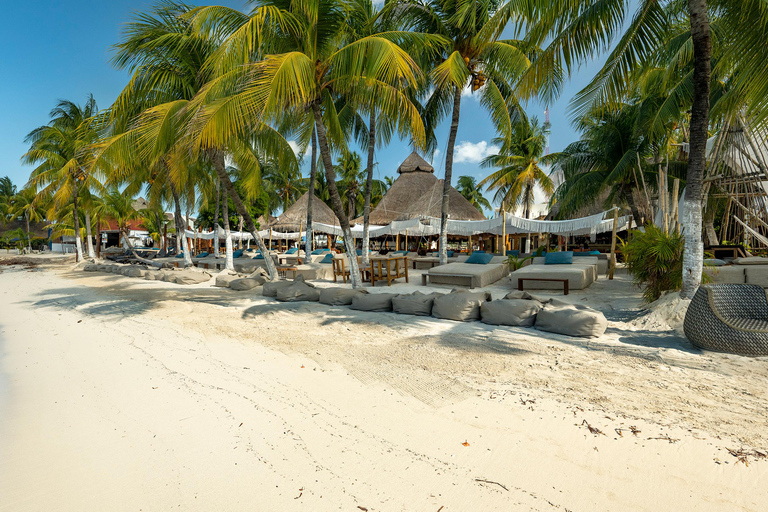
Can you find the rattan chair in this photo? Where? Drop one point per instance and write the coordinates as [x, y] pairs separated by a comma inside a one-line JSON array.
[[729, 318]]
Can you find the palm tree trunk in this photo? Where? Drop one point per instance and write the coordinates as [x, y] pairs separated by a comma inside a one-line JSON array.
[[240, 228], [216, 249], [181, 229], [76, 219], [230, 263], [311, 196], [338, 208], [368, 187], [449, 175], [693, 253], [91, 252], [633, 206], [161, 239], [125, 233], [218, 164], [29, 234]]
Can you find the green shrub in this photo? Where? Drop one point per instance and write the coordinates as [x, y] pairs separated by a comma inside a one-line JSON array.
[[655, 261]]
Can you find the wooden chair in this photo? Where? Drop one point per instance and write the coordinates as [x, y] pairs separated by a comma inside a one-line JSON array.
[[340, 269]]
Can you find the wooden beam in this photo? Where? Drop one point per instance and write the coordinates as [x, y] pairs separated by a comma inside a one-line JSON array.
[[613, 242]]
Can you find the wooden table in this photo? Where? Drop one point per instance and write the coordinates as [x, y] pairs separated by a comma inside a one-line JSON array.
[[521, 279], [384, 262], [281, 271]]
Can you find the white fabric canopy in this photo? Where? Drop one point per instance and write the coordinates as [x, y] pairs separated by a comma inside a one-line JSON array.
[[236, 235]]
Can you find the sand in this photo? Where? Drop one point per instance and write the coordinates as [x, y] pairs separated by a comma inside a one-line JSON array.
[[123, 394]]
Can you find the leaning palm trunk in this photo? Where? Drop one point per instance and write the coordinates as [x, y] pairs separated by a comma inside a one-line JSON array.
[[218, 164], [230, 262], [338, 208], [75, 215], [312, 178], [216, 249], [693, 253], [368, 186], [124, 232], [91, 252], [448, 176], [181, 230], [29, 234]]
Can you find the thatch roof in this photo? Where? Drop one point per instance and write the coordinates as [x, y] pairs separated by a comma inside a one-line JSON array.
[[140, 204], [264, 223], [295, 218], [417, 192], [415, 163]]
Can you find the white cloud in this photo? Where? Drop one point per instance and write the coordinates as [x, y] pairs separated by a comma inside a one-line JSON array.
[[467, 92], [473, 153], [294, 146]]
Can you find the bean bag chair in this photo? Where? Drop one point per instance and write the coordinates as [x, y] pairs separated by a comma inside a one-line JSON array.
[[270, 288], [513, 312], [571, 320], [223, 280], [338, 296], [187, 277], [298, 291], [245, 283], [90, 268], [526, 296], [416, 303], [372, 301], [135, 272], [459, 306]]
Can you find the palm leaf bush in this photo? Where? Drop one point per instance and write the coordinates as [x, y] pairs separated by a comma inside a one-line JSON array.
[[655, 261]]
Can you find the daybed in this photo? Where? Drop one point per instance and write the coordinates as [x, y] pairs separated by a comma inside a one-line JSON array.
[[467, 273], [580, 274]]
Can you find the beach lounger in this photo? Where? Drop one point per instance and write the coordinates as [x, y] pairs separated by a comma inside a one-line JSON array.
[[466, 273]]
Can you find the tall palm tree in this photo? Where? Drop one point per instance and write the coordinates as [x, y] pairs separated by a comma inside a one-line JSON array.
[[519, 164], [467, 187], [26, 204], [351, 174], [62, 151], [7, 191], [478, 56], [306, 65], [118, 206]]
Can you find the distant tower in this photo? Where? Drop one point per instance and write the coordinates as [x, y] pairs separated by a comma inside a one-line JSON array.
[[546, 123]]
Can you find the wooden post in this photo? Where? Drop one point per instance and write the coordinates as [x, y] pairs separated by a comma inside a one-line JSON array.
[[98, 236], [270, 241], [329, 241], [504, 232], [675, 190], [397, 242], [406, 240], [613, 242]]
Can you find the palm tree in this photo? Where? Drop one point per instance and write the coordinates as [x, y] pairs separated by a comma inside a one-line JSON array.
[[476, 55], [519, 164], [26, 204], [63, 153], [351, 173], [7, 191], [118, 206], [467, 187], [307, 64]]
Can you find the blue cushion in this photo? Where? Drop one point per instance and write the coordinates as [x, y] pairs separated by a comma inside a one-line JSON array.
[[292, 250], [328, 258], [449, 253], [202, 255], [559, 258], [479, 258], [237, 254], [514, 253], [180, 255], [359, 252], [259, 257], [400, 252], [318, 251], [585, 253], [481, 252]]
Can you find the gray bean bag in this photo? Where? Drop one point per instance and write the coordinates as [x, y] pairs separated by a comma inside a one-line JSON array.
[[526, 296], [372, 301], [298, 291], [571, 320], [135, 272], [459, 306], [515, 312], [270, 288], [416, 303], [223, 280], [245, 283], [90, 268], [338, 296], [187, 277]]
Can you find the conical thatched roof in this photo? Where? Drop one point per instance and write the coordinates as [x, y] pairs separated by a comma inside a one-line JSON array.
[[431, 205], [295, 218], [415, 163], [415, 193]]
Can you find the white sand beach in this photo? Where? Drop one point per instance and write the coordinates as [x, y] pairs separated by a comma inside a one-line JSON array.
[[124, 394]]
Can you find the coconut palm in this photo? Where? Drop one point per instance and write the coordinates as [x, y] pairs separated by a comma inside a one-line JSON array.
[[62, 151], [7, 191], [26, 204], [118, 206], [476, 56], [467, 187], [307, 63], [519, 164]]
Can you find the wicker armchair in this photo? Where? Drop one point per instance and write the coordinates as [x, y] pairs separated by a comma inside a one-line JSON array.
[[729, 318]]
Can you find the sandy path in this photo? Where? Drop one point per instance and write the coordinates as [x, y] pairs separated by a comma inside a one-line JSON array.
[[114, 403]]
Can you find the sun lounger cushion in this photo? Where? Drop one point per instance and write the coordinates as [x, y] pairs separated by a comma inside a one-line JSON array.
[[479, 258], [756, 274], [372, 301], [202, 255], [571, 320], [416, 303], [338, 296], [237, 254], [298, 291], [515, 312], [319, 251], [180, 255], [328, 258], [752, 260], [460, 306], [559, 258], [579, 276], [734, 274]]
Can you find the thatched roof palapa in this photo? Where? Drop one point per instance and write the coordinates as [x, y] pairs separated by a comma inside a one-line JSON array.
[[417, 192], [295, 217]]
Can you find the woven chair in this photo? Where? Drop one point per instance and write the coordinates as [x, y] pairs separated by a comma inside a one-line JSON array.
[[729, 318]]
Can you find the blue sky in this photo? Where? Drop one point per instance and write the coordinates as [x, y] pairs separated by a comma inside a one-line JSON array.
[[61, 50]]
